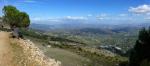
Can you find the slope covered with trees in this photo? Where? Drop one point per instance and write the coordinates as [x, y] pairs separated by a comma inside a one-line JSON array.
[[140, 55]]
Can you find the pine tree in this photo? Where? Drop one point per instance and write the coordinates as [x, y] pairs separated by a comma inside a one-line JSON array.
[[141, 49]]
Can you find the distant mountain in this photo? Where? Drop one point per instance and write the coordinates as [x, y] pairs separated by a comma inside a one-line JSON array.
[[41, 26], [90, 28], [95, 31]]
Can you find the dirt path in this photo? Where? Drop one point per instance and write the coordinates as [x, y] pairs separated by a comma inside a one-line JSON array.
[[6, 56], [19, 52]]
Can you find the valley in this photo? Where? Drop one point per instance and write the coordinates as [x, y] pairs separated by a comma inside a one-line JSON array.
[[84, 45]]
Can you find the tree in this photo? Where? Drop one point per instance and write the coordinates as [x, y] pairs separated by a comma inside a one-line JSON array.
[[13, 17], [141, 49], [10, 14], [24, 20]]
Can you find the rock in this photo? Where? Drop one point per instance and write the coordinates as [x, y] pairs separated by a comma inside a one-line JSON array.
[[48, 46], [35, 54]]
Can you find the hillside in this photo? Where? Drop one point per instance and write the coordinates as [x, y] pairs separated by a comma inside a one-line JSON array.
[[21, 52], [72, 51]]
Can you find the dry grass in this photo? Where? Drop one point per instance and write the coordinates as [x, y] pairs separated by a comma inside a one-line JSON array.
[[27, 54], [20, 58]]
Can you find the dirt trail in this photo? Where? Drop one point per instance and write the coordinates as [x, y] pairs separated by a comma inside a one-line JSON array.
[[6, 55], [20, 52]]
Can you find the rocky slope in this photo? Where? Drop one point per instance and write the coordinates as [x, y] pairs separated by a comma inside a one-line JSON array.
[[21, 52], [35, 54]]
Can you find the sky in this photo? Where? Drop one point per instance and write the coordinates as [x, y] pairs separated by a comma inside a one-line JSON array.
[[84, 10]]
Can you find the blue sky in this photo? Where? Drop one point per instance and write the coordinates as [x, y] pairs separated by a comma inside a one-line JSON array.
[[109, 10]]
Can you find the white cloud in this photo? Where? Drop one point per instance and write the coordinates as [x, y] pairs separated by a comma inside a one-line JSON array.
[[45, 19], [56, 19], [100, 18], [76, 17], [142, 9], [147, 18], [89, 15], [29, 1], [37, 19], [103, 15], [123, 15]]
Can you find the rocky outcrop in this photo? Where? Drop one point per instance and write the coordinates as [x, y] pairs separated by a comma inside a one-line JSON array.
[[35, 54]]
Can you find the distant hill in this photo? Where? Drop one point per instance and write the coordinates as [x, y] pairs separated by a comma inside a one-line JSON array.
[[95, 31], [90, 28], [43, 27]]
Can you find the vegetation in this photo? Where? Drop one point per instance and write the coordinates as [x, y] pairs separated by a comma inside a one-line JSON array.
[[95, 57], [140, 54], [59, 43], [13, 17], [124, 40]]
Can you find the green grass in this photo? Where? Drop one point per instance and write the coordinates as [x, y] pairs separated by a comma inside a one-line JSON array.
[[96, 58], [66, 57], [73, 55]]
